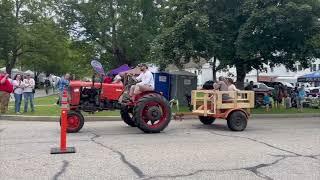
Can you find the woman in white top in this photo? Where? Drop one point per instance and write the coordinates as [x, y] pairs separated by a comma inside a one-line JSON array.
[[231, 86], [28, 92], [18, 91]]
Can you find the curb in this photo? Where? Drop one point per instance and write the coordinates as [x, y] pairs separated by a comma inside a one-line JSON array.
[[56, 118], [118, 118]]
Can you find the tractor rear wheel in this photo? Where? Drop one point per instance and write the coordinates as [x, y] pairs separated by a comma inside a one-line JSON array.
[[237, 121], [152, 113], [206, 120], [127, 116], [75, 121]]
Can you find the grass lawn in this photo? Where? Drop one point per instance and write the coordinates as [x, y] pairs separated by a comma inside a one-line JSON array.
[[285, 111], [45, 106]]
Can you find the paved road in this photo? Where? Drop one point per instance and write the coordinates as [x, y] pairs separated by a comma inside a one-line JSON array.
[[268, 149]]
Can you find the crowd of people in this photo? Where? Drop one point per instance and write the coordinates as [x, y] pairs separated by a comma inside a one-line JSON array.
[[281, 94], [21, 87]]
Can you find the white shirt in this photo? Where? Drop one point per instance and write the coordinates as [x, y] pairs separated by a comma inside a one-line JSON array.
[[146, 78], [28, 85], [232, 87], [17, 86]]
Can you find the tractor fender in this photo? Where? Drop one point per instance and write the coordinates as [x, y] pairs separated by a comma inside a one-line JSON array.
[[230, 111], [137, 97]]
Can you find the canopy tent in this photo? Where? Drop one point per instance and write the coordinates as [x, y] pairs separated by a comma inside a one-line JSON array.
[[313, 77], [120, 69], [135, 71]]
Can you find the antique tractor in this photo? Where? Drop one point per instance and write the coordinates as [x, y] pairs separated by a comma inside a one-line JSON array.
[[149, 111]]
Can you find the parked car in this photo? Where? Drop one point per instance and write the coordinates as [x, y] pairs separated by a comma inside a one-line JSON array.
[[259, 90], [313, 92], [260, 87], [278, 83]]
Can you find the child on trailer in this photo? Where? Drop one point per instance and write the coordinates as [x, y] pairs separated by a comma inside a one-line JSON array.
[[266, 101]]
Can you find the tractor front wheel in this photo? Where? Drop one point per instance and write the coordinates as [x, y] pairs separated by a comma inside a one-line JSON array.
[[152, 113], [237, 121], [75, 122], [126, 116], [207, 120]]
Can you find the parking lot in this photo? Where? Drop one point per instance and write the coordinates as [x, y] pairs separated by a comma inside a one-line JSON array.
[[267, 149]]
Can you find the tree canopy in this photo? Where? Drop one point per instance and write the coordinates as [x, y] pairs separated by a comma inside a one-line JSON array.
[[64, 35]]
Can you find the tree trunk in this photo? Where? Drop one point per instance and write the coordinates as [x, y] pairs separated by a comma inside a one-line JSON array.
[[241, 75], [214, 70]]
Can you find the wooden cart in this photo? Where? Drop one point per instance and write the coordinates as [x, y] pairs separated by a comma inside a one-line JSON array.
[[234, 106]]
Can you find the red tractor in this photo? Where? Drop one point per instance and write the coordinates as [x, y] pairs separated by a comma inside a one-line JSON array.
[[148, 111]]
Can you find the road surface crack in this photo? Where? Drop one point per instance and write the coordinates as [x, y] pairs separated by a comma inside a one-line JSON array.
[[253, 169], [62, 170], [257, 141], [123, 158]]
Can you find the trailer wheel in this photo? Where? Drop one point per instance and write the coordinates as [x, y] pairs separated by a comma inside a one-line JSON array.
[[152, 113], [237, 121], [206, 120], [75, 121], [127, 117]]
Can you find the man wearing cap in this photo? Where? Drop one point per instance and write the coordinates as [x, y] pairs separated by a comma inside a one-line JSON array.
[[28, 92], [146, 81], [5, 89]]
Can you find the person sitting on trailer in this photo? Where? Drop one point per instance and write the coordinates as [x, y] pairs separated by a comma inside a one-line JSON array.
[[222, 86]]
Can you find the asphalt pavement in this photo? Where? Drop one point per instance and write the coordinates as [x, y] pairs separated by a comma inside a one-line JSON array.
[[267, 149]]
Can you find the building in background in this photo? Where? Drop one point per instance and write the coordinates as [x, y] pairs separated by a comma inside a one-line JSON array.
[[203, 70]]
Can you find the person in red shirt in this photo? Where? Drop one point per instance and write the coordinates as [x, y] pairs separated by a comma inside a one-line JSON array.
[[5, 89]]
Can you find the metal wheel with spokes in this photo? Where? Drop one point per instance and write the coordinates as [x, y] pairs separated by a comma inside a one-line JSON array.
[[152, 113], [75, 122]]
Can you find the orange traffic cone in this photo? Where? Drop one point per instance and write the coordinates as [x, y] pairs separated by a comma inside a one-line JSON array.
[[63, 135]]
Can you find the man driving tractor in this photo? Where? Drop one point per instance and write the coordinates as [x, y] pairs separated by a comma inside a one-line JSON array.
[[146, 81]]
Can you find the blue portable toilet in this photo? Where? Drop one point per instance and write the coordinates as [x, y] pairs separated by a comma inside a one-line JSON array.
[[162, 83]]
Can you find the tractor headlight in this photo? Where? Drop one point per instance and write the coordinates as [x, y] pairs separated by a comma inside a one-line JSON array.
[[76, 90]]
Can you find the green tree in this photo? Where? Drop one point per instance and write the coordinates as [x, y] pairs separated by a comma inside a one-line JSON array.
[[30, 36], [121, 31], [186, 35], [255, 33]]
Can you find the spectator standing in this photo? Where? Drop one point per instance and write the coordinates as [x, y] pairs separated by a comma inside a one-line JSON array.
[[275, 95], [266, 101], [5, 89], [18, 91], [62, 84], [28, 92], [47, 85], [301, 97]]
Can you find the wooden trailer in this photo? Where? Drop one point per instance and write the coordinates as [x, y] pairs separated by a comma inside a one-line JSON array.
[[234, 106]]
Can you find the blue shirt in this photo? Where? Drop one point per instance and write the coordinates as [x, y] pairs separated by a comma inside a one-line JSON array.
[[301, 93], [63, 83], [266, 99]]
